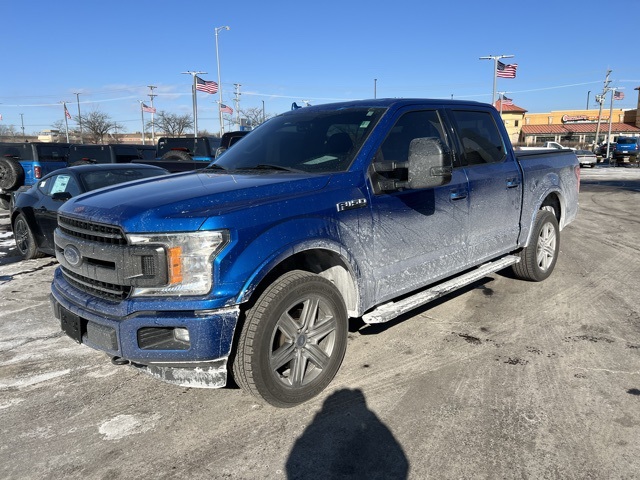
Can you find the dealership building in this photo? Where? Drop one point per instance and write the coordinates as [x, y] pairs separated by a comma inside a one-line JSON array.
[[568, 127]]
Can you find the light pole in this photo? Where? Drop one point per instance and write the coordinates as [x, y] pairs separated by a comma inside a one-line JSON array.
[[588, 93], [79, 117], [22, 123], [217, 29]]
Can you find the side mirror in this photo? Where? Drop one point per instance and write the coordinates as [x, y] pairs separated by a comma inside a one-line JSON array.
[[219, 151], [61, 196], [429, 163]]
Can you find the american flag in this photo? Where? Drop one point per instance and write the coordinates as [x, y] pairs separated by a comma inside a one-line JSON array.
[[506, 70], [66, 112], [206, 86], [505, 101], [148, 109], [618, 95], [225, 109]]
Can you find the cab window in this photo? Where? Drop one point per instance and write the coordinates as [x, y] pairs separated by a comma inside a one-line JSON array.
[[480, 138]]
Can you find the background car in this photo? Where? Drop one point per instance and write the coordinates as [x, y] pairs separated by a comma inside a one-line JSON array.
[[586, 158], [34, 210]]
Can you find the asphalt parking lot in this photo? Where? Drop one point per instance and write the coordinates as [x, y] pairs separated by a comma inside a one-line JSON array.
[[504, 379]]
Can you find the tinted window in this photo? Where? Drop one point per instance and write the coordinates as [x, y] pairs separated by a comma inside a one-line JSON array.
[[198, 147], [17, 151], [627, 141], [105, 178], [53, 152], [480, 138], [89, 153]]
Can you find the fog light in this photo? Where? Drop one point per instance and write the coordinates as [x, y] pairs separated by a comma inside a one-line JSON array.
[[181, 334]]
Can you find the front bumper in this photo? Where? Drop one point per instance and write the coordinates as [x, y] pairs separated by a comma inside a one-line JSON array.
[[145, 339]]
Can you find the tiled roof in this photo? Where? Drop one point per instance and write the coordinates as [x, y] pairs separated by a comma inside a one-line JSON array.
[[578, 128], [509, 108]]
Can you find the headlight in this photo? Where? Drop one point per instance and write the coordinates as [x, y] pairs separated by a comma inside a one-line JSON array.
[[189, 259]]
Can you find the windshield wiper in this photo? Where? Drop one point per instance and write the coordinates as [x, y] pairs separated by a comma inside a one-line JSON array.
[[267, 166]]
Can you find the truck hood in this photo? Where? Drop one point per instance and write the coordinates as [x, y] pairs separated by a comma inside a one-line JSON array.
[[186, 199]]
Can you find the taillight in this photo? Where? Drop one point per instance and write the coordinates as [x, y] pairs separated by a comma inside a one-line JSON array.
[[37, 171]]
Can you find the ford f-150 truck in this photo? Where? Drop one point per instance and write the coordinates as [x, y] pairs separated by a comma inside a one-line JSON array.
[[253, 266]]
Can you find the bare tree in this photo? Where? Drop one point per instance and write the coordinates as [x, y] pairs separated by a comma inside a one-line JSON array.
[[8, 131], [96, 125], [255, 116], [171, 124]]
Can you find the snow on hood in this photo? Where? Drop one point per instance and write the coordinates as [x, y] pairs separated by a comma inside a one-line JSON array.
[[186, 199]]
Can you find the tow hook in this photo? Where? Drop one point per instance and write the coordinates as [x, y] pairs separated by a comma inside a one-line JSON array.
[[119, 361]]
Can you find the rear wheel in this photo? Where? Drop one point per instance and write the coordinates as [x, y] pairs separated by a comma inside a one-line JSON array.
[[293, 340], [25, 239], [11, 174], [538, 259]]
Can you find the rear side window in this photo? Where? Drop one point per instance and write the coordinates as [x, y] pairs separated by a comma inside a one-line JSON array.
[[52, 153], [90, 153], [480, 138]]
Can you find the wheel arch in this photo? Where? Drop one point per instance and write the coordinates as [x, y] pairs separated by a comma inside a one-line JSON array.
[[324, 261]]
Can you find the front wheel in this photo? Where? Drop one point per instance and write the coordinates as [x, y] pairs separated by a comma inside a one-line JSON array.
[[538, 259], [25, 239], [293, 340]]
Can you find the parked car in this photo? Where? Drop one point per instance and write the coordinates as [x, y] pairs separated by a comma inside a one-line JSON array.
[[24, 163], [602, 150], [586, 158], [626, 147], [34, 210]]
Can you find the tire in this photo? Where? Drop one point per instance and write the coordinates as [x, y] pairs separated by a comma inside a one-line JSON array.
[[178, 155], [25, 239], [282, 357], [538, 259], [11, 174]]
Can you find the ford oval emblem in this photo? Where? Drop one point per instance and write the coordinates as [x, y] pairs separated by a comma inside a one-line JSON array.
[[72, 255]]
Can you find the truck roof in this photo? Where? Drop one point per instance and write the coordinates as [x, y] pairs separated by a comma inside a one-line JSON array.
[[394, 102]]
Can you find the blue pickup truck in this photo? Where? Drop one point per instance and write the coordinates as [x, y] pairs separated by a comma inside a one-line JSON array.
[[253, 266]]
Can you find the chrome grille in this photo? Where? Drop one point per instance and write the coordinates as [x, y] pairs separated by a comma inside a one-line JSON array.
[[108, 291], [95, 232]]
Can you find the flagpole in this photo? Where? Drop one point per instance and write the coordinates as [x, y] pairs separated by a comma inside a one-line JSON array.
[[144, 134], [194, 101], [66, 121], [495, 59], [217, 29]]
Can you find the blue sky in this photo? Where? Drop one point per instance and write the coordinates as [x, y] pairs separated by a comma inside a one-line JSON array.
[[284, 51]]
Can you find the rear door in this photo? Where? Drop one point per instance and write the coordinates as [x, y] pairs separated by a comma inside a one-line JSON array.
[[419, 235], [495, 184]]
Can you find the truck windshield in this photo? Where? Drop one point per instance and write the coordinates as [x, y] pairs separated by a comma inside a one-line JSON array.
[[307, 140]]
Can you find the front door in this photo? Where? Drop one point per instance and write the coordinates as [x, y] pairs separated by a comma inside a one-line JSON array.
[[419, 235]]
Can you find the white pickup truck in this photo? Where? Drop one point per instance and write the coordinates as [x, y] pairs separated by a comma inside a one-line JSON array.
[[546, 146]]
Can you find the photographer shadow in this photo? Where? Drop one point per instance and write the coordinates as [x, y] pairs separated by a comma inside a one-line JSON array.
[[347, 440]]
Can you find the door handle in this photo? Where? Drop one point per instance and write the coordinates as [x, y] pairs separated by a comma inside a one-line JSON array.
[[512, 182], [458, 194]]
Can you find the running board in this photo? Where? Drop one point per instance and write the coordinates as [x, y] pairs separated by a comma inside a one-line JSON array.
[[391, 310]]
